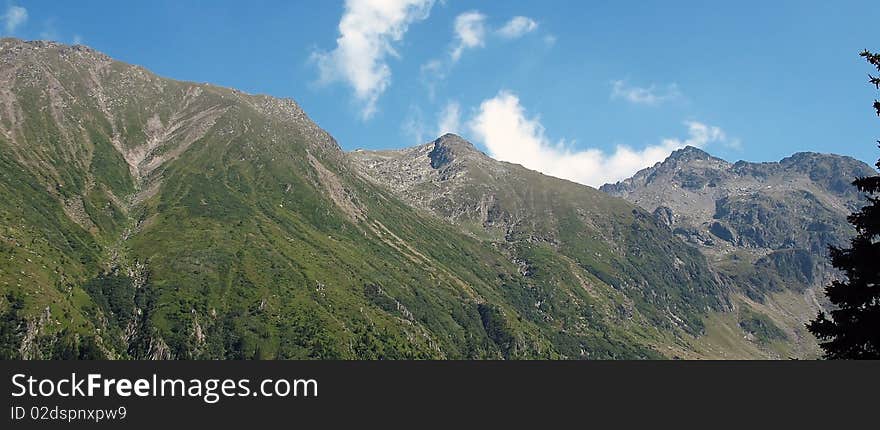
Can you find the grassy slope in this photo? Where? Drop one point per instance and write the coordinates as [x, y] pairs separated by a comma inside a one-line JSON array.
[[256, 239], [568, 233], [244, 250]]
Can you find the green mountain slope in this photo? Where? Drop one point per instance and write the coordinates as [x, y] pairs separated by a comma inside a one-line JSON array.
[[150, 218], [163, 219], [533, 217]]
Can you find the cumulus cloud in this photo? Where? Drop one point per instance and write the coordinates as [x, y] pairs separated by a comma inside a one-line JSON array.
[[651, 95], [509, 134], [470, 32], [13, 18], [368, 31], [517, 26]]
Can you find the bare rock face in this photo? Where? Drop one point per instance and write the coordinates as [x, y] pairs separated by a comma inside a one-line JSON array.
[[765, 227], [664, 216], [753, 209], [446, 148], [435, 176]]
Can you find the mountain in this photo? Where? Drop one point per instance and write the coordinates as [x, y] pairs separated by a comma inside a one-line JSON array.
[[624, 252], [766, 226], [553, 227], [150, 218]]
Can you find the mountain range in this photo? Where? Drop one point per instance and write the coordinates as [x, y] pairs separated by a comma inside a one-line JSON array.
[[157, 219]]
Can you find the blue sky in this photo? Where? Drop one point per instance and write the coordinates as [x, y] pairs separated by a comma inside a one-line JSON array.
[[587, 90]]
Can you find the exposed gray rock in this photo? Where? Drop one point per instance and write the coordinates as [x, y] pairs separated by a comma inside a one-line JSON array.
[[664, 216], [754, 210]]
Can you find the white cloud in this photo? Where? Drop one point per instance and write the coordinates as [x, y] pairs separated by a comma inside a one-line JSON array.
[[699, 135], [517, 27], [77, 39], [470, 32], [651, 95], [14, 17], [367, 33], [502, 125], [450, 119]]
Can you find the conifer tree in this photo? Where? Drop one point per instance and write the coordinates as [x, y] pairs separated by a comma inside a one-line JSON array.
[[853, 329]]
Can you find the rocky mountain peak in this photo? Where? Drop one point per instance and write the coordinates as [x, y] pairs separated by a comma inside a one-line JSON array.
[[450, 147], [767, 223], [687, 167], [689, 153], [452, 139], [19, 51], [811, 160]]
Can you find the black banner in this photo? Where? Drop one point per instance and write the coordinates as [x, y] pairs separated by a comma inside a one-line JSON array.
[[328, 394]]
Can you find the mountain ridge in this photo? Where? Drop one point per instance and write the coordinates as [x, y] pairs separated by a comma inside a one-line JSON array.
[[161, 219], [154, 218], [764, 225]]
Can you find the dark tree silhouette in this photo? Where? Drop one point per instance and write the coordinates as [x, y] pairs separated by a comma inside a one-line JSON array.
[[853, 331]]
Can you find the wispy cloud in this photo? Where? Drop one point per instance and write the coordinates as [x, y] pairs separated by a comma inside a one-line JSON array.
[[413, 126], [517, 27], [733, 144], [368, 32], [49, 31], [450, 119], [470, 32], [651, 95], [417, 130], [432, 74], [509, 134], [14, 17]]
